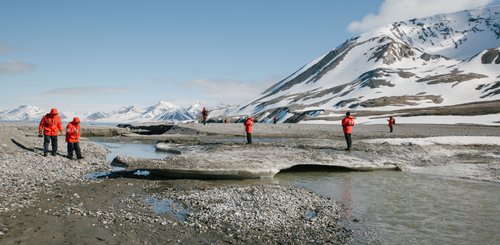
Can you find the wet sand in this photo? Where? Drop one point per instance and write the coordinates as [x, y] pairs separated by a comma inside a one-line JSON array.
[[46, 200]]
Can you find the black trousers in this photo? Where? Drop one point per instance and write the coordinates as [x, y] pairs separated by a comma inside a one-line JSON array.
[[76, 148], [348, 140], [48, 139], [390, 129], [249, 138]]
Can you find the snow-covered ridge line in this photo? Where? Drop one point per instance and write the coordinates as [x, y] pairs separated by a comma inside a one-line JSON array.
[[161, 112], [442, 60]]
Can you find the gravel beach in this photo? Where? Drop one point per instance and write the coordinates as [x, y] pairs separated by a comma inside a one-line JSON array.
[[47, 200]]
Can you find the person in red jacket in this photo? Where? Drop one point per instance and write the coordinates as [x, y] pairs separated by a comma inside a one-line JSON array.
[[73, 138], [391, 121], [275, 119], [248, 129], [204, 114], [49, 127], [347, 124]]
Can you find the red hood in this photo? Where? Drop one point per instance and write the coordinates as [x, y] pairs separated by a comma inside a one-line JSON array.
[[54, 111]]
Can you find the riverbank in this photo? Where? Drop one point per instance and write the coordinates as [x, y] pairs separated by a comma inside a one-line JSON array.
[[48, 200]]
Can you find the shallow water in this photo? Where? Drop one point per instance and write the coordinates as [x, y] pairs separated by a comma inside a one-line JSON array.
[[408, 208], [389, 207], [132, 150], [168, 206]]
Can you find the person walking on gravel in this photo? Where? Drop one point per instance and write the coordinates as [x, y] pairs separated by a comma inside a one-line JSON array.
[[248, 129], [73, 138], [49, 127], [391, 123], [347, 124]]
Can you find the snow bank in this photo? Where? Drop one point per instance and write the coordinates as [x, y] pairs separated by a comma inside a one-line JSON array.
[[491, 119], [445, 140]]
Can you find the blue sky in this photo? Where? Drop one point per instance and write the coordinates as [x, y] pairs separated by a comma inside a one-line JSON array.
[[101, 55]]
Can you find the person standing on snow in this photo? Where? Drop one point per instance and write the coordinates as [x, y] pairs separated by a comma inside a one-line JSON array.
[[275, 119], [391, 121], [73, 138], [204, 114], [347, 124], [248, 129], [49, 127]]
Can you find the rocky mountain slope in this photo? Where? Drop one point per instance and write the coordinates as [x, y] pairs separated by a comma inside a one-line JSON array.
[[439, 61]]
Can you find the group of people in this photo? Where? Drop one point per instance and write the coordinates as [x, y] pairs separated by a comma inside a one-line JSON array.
[[49, 128], [348, 123], [51, 125]]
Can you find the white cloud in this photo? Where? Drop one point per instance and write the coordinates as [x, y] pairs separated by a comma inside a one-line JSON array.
[[84, 91], [226, 91], [397, 10], [16, 67]]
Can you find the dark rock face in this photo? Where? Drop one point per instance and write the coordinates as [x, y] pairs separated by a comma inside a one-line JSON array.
[[491, 56], [494, 89], [454, 76], [398, 101], [391, 52]]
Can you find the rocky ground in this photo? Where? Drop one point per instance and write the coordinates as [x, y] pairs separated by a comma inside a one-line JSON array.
[[46, 200]]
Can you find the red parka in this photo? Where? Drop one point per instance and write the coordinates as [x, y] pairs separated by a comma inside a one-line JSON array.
[[392, 121], [248, 125], [50, 124], [347, 124], [73, 131], [204, 113]]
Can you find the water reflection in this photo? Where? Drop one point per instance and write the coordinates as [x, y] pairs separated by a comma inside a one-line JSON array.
[[407, 208], [347, 196], [132, 150]]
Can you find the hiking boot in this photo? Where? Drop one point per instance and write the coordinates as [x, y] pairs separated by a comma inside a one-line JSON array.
[[347, 149], [70, 157], [53, 154], [80, 157], [45, 154]]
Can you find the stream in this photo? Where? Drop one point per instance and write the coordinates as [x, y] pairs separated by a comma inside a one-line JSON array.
[[389, 207]]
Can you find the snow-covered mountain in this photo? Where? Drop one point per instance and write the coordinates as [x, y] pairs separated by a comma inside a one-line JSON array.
[[28, 113], [22, 113], [442, 60], [160, 112]]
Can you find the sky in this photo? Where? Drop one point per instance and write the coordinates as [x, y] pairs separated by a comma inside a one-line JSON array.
[[94, 55]]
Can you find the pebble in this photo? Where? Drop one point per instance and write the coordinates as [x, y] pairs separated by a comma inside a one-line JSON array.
[[24, 174], [268, 213]]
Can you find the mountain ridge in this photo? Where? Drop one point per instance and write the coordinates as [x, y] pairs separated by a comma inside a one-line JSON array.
[[441, 60]]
